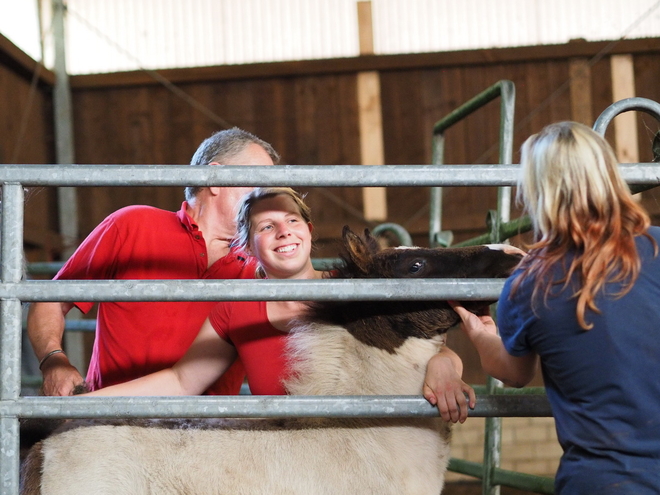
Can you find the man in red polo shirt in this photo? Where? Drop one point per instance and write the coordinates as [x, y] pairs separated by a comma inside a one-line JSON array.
[[142, 242]]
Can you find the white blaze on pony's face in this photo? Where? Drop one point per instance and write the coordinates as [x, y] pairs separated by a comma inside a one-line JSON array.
[[507, 248], [280, 238]]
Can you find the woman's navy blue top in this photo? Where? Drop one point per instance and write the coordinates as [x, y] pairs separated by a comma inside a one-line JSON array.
[[603, 384]]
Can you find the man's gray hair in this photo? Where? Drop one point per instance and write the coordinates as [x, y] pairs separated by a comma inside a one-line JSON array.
[[222, 146]]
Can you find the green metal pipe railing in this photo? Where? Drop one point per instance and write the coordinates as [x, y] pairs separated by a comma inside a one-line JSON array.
[[504, 89], [400, 232], [499, 231], [513, 479]]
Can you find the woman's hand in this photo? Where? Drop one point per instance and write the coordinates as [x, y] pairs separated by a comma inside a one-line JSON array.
[[515, 371], [473, 325], [444, 388]]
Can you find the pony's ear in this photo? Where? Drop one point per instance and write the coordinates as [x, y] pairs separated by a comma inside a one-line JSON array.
[[359, 251], [371, 242]]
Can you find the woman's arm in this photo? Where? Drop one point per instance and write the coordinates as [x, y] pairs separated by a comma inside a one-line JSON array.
[[495, 360], [204, 362], [444, 388]]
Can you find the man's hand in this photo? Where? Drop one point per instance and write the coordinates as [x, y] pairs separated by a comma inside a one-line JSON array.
[[60, 376]]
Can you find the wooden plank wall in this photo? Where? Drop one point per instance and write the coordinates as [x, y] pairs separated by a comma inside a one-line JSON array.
[[308, 111], [26, 136]]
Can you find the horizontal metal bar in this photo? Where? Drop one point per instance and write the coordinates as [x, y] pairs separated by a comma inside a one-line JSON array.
[[264, 406], [285, 175], [249, 290], [280, 175]]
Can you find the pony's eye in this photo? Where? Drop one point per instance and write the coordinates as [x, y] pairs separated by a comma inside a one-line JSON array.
[[416, 267]]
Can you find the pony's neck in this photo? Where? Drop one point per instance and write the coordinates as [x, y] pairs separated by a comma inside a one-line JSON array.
[[328, 360]]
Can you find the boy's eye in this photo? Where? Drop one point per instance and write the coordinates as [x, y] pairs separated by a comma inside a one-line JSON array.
[[266, 227]]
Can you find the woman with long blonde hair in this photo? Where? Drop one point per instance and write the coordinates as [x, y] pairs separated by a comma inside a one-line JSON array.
[[585, 301]]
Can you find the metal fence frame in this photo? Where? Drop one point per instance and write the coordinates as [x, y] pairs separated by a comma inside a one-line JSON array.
[[14, 291]]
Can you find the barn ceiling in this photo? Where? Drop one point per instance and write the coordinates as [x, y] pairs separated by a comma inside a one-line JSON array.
[[123, 35]]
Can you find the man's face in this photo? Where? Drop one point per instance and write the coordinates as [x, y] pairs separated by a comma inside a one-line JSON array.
[[252, 154]]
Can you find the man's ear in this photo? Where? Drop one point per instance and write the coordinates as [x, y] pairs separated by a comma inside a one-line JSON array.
[[311, 227], [214, 190]]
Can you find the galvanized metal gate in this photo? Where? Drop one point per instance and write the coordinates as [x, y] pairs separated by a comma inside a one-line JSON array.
[[14, 290]]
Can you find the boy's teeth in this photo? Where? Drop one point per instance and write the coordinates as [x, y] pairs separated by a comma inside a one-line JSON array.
[[286, 249]]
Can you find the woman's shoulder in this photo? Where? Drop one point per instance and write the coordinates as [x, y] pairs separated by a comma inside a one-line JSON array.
[[521, 280], [516, 286], [526, 289]]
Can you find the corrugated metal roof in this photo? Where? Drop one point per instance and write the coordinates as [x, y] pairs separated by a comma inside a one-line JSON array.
[[109, 36]]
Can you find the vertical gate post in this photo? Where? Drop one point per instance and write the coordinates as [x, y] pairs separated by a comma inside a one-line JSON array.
[[10, 333]]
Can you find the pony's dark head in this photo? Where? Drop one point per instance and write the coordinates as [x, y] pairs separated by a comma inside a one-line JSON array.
[[387, 324]]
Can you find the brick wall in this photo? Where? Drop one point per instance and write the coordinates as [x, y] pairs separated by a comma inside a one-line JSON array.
[[529, 445]]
